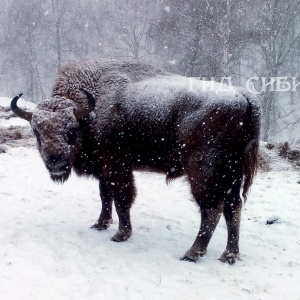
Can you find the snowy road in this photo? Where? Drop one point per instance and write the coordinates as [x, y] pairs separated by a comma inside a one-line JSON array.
[[47, 250]]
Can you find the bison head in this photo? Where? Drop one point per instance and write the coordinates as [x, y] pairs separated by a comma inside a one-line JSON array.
[[55, 123]]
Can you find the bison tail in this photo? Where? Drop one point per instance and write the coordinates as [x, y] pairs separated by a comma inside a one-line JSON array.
[[252, 131]]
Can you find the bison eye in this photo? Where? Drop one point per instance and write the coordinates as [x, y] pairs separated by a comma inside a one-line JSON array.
[[71, 136]]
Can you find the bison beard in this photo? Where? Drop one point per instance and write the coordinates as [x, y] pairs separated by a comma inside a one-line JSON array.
[[62, 176], [106, 119]]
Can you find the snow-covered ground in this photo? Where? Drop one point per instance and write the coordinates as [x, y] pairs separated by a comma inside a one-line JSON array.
[[47, 250]]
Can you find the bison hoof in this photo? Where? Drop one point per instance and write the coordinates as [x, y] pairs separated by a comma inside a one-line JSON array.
[[193, 254], [121, 236], [100, 225], [189, 259], [229, 257]]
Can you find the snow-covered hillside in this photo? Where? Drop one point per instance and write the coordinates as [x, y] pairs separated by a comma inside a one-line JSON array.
[[47, 250]]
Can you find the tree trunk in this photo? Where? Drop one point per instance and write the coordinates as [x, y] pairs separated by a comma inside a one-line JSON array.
[[226, 39]]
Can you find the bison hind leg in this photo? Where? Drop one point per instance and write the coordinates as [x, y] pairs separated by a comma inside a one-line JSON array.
[[232, 214], [208, 186]]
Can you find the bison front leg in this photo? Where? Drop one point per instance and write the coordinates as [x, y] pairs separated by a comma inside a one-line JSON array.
[[106, 194], [124, 192]]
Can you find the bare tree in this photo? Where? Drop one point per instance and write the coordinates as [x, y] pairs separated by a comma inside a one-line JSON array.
[[203, 37], [277, 40], [23, 38], [67, 20], [133, 21]]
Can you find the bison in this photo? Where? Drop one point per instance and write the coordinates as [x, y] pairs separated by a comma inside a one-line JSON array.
[[107, 118]]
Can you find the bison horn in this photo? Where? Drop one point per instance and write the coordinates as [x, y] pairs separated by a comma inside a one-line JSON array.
[[83, 112], [18, 111]]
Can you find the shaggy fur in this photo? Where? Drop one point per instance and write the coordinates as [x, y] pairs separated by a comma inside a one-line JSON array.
[[147, 119]]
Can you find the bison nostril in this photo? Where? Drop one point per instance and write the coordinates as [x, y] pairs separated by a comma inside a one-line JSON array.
[[53, 159], [55, 162]]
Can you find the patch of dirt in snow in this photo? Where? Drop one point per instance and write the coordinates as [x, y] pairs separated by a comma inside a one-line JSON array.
[[271, 160], [14, 132], [16, 136]]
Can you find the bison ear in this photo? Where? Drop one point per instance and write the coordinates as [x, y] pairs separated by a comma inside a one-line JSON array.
[[83, 112], [18, 111]]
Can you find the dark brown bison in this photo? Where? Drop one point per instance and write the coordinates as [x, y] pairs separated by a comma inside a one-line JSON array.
[[107, 118]]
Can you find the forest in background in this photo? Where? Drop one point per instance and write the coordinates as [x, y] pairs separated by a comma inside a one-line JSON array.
[[239, 39]]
